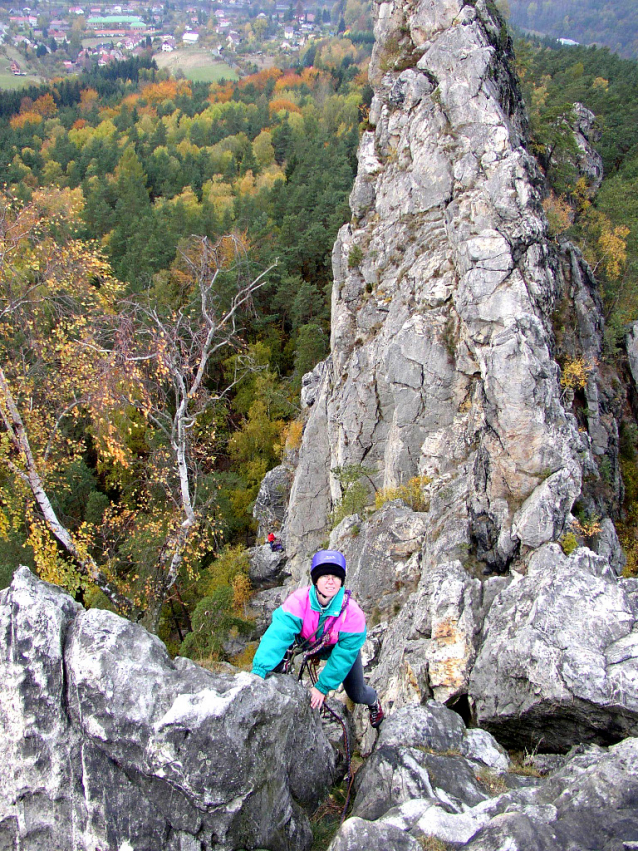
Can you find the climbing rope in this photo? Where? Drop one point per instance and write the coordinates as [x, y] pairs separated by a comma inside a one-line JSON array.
[[310, 663]]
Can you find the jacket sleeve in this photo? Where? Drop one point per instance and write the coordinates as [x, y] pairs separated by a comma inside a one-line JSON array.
[[281, 633], [341, 660]]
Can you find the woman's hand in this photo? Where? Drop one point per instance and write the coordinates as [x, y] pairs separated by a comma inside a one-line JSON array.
[[316, 698]]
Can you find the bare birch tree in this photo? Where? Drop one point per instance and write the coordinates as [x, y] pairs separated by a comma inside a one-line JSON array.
[[77, 361]]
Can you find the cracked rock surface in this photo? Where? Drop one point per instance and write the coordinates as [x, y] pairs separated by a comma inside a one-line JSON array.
[[431, 778], [108, 743], [448, 339]]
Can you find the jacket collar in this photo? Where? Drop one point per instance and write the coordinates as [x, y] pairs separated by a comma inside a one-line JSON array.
[[333, 607]]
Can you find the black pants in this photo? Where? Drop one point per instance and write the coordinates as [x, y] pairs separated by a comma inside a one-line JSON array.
[[354, 684]]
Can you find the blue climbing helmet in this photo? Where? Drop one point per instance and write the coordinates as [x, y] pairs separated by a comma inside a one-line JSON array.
[[328, 562]]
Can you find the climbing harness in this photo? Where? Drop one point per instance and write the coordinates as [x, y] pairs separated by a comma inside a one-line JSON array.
[[310, 649]]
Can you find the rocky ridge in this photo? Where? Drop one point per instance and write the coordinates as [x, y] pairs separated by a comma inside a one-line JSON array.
[[107, 743], [452, 308]]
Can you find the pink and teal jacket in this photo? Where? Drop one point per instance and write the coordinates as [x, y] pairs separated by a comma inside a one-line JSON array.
[[302, 616]]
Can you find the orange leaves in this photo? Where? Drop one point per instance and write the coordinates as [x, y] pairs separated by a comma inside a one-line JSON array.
[[33, 112], [45, 106], [88, 99], [279, 104], [156, 93], [289, 81], [221, 93], [261, 79], [18, 122]]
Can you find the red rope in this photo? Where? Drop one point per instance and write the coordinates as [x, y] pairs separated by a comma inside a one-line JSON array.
[[311, 663]]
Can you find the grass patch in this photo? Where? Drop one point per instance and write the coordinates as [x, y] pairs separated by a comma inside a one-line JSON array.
[[196, 64], [326, 820], [521, 763], [211, 73], [492, 782], [9, 82], [431, 843]]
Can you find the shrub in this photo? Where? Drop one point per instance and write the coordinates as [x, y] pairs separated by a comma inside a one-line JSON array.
[[569, 543], [354, 492], [575, 373], [411, 493], [355, 257], [212, 621]]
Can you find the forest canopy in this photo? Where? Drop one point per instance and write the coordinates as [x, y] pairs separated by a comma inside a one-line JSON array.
[[166, 284]]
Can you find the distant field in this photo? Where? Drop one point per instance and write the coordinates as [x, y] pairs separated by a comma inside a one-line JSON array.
[[10, 81], [196, 64]]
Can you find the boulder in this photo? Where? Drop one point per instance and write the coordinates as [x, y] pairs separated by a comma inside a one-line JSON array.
[[272, 500], [267, 568], [426, 753], [360, 835], [439, 797], [589, 804], [108, 743], [383, 556], [559, 658]]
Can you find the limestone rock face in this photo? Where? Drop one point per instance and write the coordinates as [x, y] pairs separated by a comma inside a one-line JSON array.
[[442, 352], [267, 568], [585, 134], [430, 777], [108, 743], [272, 500], [559, 658], [452, 336]]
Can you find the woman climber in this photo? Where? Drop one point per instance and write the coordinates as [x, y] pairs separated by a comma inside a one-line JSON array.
[[325, 620]]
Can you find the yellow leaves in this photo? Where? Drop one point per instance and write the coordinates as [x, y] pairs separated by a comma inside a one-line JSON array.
[[575, 373], [104, 130], [600, 83], [241, 592], [559, 212], [88, 99], [587, 527], [606, 243], [51, 565], [246, 184], [292, 434], [612, 244], [184, 148], [45, 106], [66, 204], [219, 195], [267, 179], [263, 148], [411, 493]]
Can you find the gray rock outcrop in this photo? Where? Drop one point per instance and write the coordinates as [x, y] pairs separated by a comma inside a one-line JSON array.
[[455, 319], [108, 743], [558, 663], [442, 348], [272, 500], [432, 779]]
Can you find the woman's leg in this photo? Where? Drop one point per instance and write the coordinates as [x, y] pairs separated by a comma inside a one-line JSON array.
[[355, 687]]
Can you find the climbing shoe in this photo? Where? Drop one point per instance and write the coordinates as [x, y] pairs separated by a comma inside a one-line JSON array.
[[376, 714]]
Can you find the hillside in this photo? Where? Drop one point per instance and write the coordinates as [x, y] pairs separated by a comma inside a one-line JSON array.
[[589, 22], [467, 443]]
